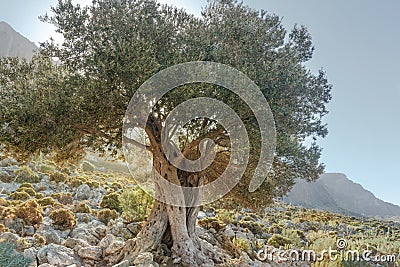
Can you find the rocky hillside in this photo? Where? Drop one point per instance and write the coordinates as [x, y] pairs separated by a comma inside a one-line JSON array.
[[336, 193], [13, 44], [79, 216]]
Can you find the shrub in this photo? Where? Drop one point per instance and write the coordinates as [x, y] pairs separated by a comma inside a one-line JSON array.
[[116, 186], [63, 219], [94, 184], [3, 229], [111, 201], [58, 177], [5, 177], [10, 258], [82, 208], [135, 204], [226, 216], [20, 196], [76, 181], [7, 212], [209, 223], [242, 244], [63, 198], [278, 240], [39, 196], [106, 215], [25, 174], [39, 239], [26, 185], [47, 168], [46, 201], [4, 202], [30, 212], [253, 226], [275, 229], [28, 190]]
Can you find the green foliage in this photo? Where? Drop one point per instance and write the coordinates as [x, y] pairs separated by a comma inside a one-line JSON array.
[[278, 241], [111, 201], [63, 198], [3, 229], [77, 181], [105, 215], [26, 175], [28, 190], [58, 177], [82, 208], [45, 168], [275, 229], [135, 204], [60, 110], [209, 223], [20, 196], [226, 216], [46, 201], [26, 185], [39, 239], [30, 212], [10, 258], [63, 219], [242, 244]]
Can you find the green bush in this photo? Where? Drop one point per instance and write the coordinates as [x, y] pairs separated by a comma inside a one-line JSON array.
[[242, 244], [47, 168], [226, 216], [26, 185], [106, 215], [58, 177], [62, 218], [46, 201], [25, 174], [28, 190], [111, 201], [30, 212], [278, 240], [10, 258], [76, 181], [63, 198], [20, 196], [82, 208], [135, 204], [275, 229]]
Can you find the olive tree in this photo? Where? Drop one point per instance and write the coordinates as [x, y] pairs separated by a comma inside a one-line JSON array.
[[112, 47]]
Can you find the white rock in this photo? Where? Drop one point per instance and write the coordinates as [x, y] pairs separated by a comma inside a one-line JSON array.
[[57, 255], [91, 253]]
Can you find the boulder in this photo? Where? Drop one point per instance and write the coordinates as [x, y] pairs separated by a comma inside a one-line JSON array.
[[57, 255], [91, 253]]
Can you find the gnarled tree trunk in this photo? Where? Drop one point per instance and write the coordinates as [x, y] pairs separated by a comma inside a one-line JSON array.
[[168, 223]]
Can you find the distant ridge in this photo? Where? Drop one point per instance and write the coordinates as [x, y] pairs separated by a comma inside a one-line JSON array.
[[336, 193], [13, 44]]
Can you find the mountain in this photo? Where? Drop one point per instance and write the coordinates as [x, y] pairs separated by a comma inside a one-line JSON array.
[[13, 44], [336, 193]]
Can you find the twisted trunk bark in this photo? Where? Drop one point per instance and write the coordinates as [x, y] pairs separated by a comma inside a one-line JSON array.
[[168, 223]]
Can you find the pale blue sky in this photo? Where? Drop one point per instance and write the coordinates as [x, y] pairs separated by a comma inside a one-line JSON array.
[[357, 44]]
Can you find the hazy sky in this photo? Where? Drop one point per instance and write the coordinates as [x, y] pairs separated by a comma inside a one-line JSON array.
[[357, 44]]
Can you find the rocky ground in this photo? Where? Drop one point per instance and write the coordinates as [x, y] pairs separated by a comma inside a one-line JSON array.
[[83, 217]]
